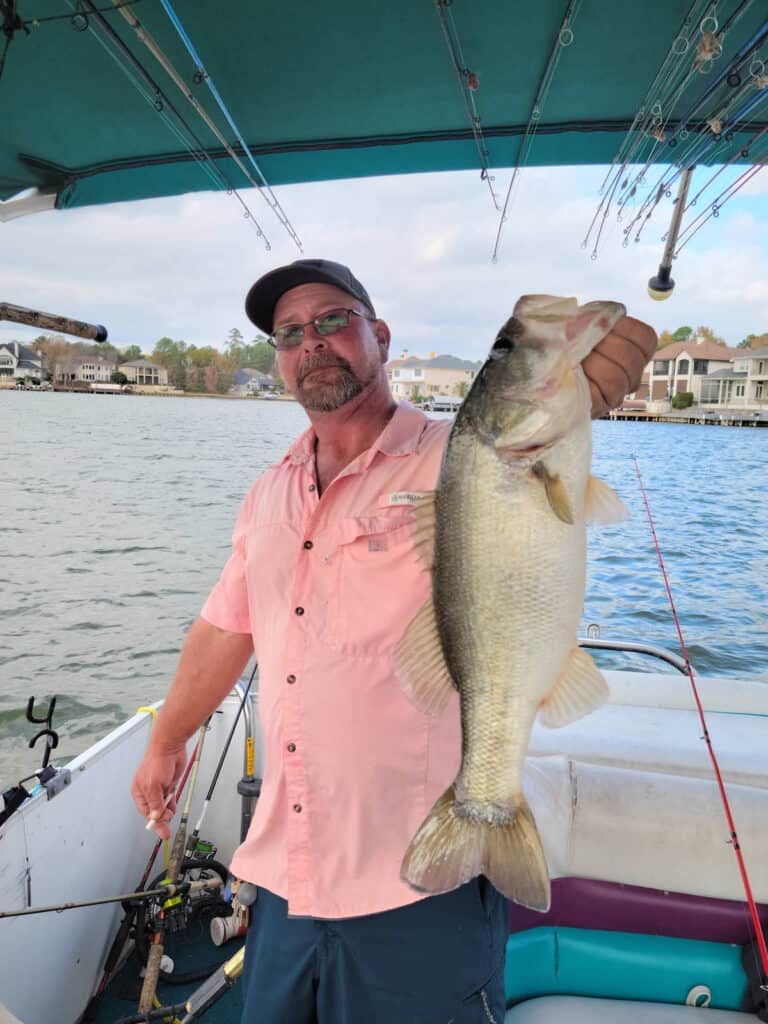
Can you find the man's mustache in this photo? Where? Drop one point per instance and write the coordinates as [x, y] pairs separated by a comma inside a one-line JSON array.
[[318, 362]]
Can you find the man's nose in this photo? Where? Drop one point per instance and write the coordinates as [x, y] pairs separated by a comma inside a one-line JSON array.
[[312, 340]]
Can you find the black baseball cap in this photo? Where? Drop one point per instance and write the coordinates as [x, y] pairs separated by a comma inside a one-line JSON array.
[[262, 298]]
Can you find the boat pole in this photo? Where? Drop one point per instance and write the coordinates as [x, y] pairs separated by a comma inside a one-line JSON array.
[[52, 322], [661, 286], [152, 973]]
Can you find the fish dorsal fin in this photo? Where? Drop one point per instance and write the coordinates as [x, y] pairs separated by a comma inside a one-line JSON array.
[[580, 689], [556, 492], [424, 519], [602, 504], [420, 664]]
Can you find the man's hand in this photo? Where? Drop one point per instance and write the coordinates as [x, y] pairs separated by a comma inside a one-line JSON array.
[[155, 780], [614, 367]]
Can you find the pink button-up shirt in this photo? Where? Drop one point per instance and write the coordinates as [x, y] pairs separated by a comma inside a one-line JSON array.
[[327, 586]]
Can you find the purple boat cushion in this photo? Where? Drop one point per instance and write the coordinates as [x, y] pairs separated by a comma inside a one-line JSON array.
[[611, 906]]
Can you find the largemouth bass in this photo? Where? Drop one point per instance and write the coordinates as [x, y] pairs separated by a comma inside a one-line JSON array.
[[505, 533]]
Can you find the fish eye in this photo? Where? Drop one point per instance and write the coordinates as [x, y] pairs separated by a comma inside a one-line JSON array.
[[502, 344]]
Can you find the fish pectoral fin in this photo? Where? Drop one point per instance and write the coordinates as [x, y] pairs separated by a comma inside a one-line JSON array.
[[580, 689], [420, 664], [556, 493], [424, 518], [602, 504], [451, 848]]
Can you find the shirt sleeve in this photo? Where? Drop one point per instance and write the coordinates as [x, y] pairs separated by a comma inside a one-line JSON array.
[[227, 604]]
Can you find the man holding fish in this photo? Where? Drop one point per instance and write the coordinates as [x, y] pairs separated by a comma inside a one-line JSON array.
[[412, 590]]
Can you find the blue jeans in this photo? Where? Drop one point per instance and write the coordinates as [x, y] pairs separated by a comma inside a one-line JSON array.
[[438, 961]]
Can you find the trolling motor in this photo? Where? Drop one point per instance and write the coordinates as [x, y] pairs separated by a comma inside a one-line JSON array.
[[51, 778]]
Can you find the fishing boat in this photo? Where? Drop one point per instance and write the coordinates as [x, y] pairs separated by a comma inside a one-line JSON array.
[[651, 917]]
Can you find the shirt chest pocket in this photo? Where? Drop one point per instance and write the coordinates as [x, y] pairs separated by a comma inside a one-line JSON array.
[[379, 582]]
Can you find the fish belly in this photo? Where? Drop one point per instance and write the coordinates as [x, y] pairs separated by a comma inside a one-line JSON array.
[[509, 588]]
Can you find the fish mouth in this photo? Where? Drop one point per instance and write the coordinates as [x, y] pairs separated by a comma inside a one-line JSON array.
[[529, 451]]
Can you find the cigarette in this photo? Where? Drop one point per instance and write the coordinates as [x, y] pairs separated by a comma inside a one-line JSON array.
[[151, 822]]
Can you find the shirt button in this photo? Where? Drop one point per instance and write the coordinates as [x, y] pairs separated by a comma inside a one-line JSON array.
[[308, 545], [297, 808], [299, 611], [291, 678], [291, 747], [312, 487]]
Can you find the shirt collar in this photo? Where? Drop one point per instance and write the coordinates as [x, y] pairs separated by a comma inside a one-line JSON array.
[[401, 436]]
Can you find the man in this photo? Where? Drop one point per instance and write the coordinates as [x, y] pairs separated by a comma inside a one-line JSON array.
[[322, 581]]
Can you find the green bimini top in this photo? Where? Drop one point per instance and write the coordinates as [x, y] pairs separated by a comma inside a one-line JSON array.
[[351, 88]]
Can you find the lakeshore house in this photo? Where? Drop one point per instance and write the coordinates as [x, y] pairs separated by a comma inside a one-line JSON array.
[[144, 374], [248, 381], [411, 376], [19, 362], [716, 376], [87, 369]]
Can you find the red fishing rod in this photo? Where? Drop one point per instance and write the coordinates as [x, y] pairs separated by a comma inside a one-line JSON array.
[[734, 840]]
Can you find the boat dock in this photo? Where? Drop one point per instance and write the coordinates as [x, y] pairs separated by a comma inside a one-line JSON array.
[[705, 417]]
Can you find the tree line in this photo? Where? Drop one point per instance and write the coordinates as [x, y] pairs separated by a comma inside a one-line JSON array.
[[754, 341], [190, 367]]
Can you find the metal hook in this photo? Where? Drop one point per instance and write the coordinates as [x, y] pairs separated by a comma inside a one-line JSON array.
[[48, 715]]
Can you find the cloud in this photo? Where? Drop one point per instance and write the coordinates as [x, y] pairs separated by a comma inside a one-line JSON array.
[[422, 244]]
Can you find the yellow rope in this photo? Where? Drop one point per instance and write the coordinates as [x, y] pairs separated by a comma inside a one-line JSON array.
[[151, 711], [169, 1020]]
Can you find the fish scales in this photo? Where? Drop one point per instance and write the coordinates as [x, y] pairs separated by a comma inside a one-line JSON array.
[[509, 567]]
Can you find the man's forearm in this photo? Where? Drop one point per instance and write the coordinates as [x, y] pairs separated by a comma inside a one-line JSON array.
[[210, 664]]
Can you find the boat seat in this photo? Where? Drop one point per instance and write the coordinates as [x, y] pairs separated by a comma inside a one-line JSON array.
[[583, 1010]]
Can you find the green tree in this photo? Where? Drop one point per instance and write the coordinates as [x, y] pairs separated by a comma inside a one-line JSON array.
[[682, 334], [259, 356], [173, 356], [131, 354], [118, 378], [665, 338], [460, 389]]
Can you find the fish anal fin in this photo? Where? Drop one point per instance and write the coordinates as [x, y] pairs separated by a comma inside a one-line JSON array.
[[453, 846], [420, 664], [602, 503], [557, 495], [580, 689]]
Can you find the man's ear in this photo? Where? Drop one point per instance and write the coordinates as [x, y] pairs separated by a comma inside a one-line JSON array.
[[383, 336]]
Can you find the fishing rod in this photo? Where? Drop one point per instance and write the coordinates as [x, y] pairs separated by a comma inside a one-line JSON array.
[[176, 889], [192, 843], [734, 838], [52, 322], [124, 930], [661, 285], [152, 973], [201, 999]]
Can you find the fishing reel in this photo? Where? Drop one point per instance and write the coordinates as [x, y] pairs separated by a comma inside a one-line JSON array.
[[186, 916]]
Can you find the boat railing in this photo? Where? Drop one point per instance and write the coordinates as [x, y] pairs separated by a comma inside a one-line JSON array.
[[629, 647]]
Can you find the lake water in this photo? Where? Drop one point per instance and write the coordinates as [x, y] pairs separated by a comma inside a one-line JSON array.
[[116, 514]]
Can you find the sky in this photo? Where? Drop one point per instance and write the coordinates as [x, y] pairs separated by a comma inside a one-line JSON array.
[[421, 244]]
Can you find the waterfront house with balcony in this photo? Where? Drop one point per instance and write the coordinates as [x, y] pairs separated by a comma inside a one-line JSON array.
[[144, 374], [683, 366], [742, 385], [438, 375]]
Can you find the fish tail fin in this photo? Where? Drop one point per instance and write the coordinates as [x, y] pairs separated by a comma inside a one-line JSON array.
[[453, 846]]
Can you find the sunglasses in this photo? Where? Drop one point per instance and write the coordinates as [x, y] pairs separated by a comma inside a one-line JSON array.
[[290, 335]]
